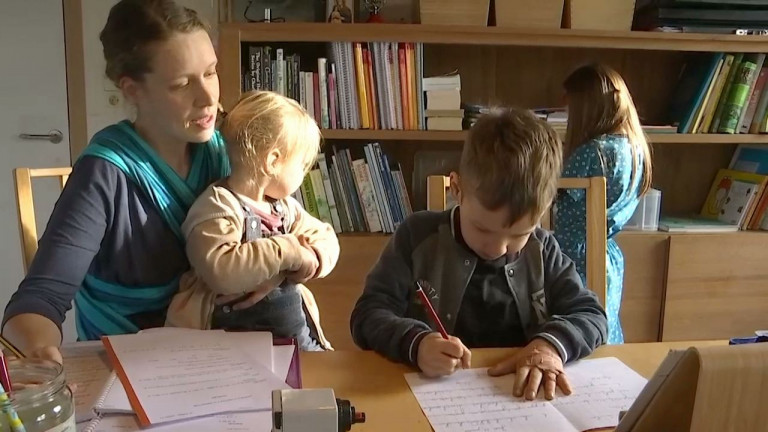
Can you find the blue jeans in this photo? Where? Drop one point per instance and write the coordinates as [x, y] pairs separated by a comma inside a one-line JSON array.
[[281, 312]]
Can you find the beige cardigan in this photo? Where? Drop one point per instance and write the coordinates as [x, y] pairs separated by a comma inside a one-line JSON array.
[[222, 264]]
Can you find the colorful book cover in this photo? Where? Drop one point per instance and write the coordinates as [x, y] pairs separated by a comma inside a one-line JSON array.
[[714, 98], [730, 196], [737, 60], [737, 96]]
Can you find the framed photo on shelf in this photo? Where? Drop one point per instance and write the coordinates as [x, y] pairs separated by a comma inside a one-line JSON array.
[[340, 11]]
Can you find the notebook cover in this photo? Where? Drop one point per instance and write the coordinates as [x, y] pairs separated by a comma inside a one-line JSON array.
[[294, 371]]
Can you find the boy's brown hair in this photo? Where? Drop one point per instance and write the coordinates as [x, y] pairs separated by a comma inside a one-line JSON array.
[[511, 159], [262, 121]]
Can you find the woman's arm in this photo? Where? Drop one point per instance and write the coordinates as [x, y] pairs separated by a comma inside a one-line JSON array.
[[34, 335], [73, 236]]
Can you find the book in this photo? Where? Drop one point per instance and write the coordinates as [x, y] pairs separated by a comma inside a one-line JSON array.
[[171, 377], [470, 399], [731, 195], [694, 225], [98, 391], [86, 364], [257, 421]]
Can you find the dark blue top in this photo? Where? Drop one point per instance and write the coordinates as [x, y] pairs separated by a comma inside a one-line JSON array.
[[102, 222]]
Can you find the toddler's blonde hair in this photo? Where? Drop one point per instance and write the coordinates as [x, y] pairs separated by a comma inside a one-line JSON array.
[[263, 121]]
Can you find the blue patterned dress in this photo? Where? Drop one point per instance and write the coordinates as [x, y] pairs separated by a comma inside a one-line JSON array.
[[621, 201]]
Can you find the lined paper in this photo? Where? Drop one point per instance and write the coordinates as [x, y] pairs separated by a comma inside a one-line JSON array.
[[237, 422], [184, 375], [470, 400], [87, 367]]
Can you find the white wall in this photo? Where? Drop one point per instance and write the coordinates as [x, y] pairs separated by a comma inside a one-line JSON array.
[[104, 103]]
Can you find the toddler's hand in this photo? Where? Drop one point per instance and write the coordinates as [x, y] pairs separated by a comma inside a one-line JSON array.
[[438, 357], [309, 263]]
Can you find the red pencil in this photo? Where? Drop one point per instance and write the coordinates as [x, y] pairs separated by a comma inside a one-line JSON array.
[[431, 310], [5, 379]]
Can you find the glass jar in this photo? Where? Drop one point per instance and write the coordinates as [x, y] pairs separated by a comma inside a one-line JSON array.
[[40, 398]]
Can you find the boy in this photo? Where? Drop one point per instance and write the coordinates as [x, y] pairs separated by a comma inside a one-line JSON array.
[[495, 278]]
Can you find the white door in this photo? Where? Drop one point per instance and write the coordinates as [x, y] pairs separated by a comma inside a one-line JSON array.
[[33, 100]]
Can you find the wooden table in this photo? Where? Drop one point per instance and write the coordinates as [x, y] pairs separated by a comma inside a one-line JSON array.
[[377, 386]]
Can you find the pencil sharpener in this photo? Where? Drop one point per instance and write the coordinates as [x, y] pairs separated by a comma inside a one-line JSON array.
[[316, 410]]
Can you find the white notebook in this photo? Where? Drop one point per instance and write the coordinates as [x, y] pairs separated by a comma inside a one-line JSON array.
[[470, 400], [114, 399], [87, 366], [257, 421], [172, 377], [98, 391]]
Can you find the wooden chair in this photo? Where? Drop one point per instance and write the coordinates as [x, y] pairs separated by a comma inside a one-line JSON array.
[[438, 195], [25, 205]]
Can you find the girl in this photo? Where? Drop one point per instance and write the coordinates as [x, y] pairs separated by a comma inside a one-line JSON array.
[[113, 243], [246, 237], [604, 138]]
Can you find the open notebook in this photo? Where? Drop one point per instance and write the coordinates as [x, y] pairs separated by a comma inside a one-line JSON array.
[[257, 421], [470, 400], [99, 392]]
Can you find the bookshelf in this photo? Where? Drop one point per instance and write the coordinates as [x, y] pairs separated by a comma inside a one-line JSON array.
[[526, 68], [456, 136]]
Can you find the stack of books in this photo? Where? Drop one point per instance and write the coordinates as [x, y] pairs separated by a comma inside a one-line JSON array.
[[443, 95]]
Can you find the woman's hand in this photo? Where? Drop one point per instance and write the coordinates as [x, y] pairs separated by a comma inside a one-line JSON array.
[[247, 299]]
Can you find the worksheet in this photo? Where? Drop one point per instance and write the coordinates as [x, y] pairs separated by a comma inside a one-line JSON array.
[[178, 376], [471, 401]]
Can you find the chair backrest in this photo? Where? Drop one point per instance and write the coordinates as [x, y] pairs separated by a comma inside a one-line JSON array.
[[26, 208], [438, 197]]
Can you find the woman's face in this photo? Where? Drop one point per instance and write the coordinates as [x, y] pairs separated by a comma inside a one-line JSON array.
[[177, 101]]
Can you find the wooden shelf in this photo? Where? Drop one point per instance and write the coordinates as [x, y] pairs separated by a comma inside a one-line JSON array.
[[458, 136], [624, 233], [482, 35]]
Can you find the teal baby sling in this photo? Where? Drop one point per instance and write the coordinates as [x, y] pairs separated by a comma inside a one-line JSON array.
[[103, 307]]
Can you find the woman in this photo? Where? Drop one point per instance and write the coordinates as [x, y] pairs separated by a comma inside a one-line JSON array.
[[604, 138], [113, 243]]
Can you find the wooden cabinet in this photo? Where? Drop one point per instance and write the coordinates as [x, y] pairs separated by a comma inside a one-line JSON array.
[[717, 287]]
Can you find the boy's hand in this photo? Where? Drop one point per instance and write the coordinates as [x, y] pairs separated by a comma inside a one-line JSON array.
[[309, 263], [438, 357], [536, 365]]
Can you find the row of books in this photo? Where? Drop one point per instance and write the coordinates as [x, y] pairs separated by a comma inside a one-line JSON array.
[[359, 85], [722, 93], [737, 199], [365, 194]]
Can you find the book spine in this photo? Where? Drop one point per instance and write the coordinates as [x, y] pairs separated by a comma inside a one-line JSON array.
[[330, 193], [737, 59], [737, 97]]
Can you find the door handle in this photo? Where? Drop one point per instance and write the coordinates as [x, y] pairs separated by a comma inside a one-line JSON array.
[[55, 136]]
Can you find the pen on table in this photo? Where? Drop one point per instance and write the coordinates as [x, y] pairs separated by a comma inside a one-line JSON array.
[[11, 347], [13, 417], [5, 379], [431, 310]]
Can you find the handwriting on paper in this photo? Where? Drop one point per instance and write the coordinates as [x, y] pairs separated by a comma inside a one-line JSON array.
[[179, 376], [470, 400]]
